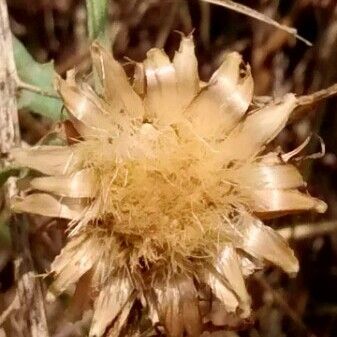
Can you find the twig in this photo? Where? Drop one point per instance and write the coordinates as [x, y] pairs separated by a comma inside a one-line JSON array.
[[308, 230], [32, 314], [318, 95], [30, 87], [307, 102], [304, 102]]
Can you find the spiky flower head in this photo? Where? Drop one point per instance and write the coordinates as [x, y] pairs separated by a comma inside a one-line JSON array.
[[165, 184]]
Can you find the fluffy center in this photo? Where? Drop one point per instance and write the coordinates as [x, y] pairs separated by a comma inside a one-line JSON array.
[[164, 193]]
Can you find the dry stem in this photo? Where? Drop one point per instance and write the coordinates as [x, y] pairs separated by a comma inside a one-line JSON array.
[[32, 314]]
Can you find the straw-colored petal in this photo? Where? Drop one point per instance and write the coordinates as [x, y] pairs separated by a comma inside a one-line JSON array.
[[190, 307], [228, 265], [264, 176], [186, 67], [263, 242], [169, 308], [139, 79], [218, 108], [234, 84], [47, 205], [257, 130], [178, 307], [82, 184], [86, 111], [273, 202], [122, 319], [51, 160], [221, 290], [249, 265], [162, 100], [76, 258], [117, 88], [109, 303], [152, 308], [81, 299]]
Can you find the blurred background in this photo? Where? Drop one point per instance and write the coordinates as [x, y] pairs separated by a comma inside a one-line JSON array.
[[56, 29]]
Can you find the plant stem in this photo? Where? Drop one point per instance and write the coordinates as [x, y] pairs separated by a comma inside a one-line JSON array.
[[32, 318]]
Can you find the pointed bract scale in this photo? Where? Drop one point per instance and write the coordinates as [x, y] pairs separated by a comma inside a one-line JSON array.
[[273, 203], [50, 160], [169, 308], [262, 242], [221, 291], [118, 325], [109, 303], [178, 307], [228, 265], [152, 307], [225, 99], [262, 176], [190, 307], [249, 265], [82, 184], [47, 205], [117, 88], [234, 85], [76, 258], [85, 111], [257, 130], [139, 80], [186, 67], [162, 99]]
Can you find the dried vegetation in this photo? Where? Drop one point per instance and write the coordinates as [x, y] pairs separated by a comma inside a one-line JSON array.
[[303, 306]]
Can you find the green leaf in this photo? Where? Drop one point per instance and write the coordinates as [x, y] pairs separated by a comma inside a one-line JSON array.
[[97, 12], [6, 173], [39, 75]]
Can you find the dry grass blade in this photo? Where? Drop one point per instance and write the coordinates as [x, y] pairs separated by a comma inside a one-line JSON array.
[[258, 16]]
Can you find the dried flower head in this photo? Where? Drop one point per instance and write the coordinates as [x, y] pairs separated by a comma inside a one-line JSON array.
[[165, 184]]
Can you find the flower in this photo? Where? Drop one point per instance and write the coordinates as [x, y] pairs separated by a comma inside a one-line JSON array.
[[165, 184]]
